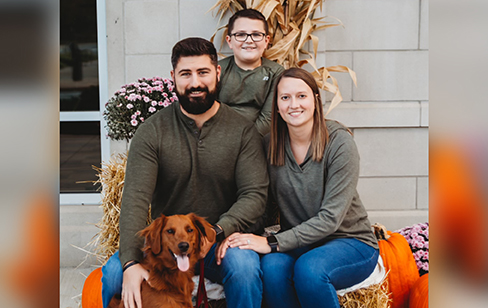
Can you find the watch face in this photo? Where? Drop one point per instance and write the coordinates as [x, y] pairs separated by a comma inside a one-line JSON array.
[[272, 240], [273, 243]]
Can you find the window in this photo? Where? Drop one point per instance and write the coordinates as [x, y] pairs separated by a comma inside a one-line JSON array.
[[82, 76]]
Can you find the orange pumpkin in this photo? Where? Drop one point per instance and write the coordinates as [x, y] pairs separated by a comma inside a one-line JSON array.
[[458, 198], [399, 264], [419, 294], [91, 296]]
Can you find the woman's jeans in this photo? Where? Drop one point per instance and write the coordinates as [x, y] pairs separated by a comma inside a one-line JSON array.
[[239, 272], [309, 276]]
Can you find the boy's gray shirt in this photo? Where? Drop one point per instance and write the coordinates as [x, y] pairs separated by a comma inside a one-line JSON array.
[[319, 200], [249, 92]]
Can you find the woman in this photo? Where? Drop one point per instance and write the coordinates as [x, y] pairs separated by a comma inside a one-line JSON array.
[[325, 242]]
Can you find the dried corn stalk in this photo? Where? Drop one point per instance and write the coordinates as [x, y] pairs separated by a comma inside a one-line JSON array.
[[291, 24]]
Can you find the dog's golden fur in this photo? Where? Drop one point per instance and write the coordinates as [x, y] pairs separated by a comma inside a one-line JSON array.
[[189, 236]]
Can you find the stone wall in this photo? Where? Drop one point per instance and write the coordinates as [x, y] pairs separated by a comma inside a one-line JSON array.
[[385, 42]]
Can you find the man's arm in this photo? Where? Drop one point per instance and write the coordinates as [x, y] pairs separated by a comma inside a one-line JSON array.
[[252, 185], [139, 185]]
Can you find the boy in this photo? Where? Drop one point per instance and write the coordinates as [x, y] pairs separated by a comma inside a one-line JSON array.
[[247, 79]]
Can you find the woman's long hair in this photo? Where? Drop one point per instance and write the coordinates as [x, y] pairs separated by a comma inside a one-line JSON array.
[[279, 129]]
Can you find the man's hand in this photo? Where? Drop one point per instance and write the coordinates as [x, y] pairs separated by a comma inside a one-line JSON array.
[[221, 249], [131, 286]]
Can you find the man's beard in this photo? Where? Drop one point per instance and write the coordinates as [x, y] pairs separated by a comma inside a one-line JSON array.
[[197, 105]]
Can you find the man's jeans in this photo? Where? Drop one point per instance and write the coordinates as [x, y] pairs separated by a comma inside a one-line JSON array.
[[309, 276], [239, 272]]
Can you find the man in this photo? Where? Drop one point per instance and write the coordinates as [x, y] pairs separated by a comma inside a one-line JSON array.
[[200, 156]]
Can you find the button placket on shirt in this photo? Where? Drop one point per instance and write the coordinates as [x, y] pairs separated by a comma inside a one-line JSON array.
[[202, 134], [196, 132]]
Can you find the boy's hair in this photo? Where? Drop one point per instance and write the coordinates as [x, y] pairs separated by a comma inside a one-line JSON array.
[[247, 13], [193, 46], [279, 128]]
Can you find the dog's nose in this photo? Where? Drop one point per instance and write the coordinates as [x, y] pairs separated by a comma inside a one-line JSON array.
[[183, 246]]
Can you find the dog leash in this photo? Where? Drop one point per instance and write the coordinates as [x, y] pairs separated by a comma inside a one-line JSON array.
[[201, 292]]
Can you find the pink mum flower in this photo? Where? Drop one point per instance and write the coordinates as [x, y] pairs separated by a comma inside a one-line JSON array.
[[146, 99], [134, 122], [154, 103], [152, 109], [130, 106]]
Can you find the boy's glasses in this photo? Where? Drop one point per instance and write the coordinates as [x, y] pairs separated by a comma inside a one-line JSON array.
[[255, 36]]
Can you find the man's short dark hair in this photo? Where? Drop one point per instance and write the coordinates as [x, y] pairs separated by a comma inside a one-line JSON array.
[[193, 46], [247, 13]]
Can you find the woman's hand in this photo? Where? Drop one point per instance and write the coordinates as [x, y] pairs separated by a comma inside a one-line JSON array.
[[249, 241], [131, 285]]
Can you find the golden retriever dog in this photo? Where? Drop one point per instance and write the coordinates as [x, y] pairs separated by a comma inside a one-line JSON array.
[[173, 245]]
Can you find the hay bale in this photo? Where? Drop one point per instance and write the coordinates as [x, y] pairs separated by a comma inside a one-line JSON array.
[[111, 177], [374, 296]]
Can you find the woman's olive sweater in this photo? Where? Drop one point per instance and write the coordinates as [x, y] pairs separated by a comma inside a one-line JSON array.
[[319, 200]]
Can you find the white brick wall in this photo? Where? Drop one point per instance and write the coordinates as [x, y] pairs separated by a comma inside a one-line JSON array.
[[391, 75], [378, 114], [385, 42], [373, 25], [150, 27]]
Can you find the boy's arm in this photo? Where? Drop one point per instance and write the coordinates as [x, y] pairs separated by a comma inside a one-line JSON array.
[[263, 122]]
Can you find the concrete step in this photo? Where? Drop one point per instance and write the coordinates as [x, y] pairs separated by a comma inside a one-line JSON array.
[[71, 285], [77, 228]]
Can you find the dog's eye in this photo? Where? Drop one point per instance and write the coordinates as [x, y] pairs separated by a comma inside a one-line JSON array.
[[190, 230], [170, 231]]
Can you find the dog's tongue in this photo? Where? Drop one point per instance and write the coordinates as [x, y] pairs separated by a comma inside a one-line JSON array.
[[183, 262]]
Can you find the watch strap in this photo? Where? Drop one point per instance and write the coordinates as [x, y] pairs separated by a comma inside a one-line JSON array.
[[272, 242], [219, 233], [129, 264]]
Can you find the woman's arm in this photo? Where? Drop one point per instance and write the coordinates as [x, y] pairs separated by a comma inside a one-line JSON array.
[[342, 164]]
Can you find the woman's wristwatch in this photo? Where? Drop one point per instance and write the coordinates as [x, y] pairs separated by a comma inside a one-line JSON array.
[[273, 243]]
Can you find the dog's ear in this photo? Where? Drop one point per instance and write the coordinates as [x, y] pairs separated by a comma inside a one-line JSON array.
[[152, 233], [206, 234]]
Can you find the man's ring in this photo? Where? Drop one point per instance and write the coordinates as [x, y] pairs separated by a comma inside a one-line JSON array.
[[249, 242]]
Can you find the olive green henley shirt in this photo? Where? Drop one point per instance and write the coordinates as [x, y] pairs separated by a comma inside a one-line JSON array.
[[218, 172]]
